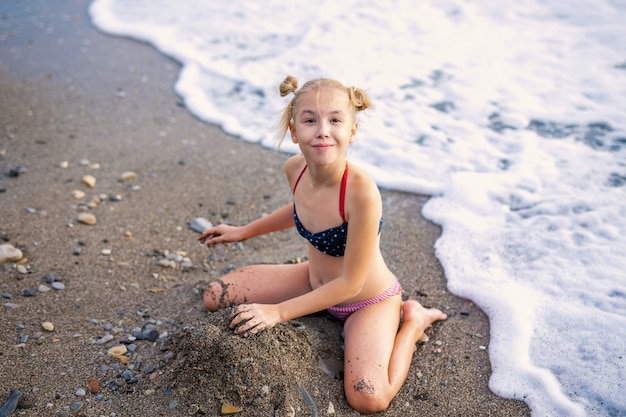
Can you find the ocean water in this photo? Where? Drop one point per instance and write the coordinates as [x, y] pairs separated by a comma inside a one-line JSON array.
[[510, 114]]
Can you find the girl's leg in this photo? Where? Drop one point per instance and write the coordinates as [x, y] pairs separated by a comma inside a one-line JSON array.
[[377, 356], [266, 284]]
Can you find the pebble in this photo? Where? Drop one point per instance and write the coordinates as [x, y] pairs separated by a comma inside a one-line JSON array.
[[9, 254], [200, 224], [11, 305], [47, 326], [43, 288], [228, 408], [118, 350], [105, 252], [52, 277], [89, 181], [64, 165], [75, 407], [87, 218], [104, 339], [7, 295], [11, 403], [81, 392], [78, 194], [58, 286], [22, 269], [28, 292], [128, 175]]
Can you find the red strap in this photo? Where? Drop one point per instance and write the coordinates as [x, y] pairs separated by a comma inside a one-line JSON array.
[[342, 190], [342, 193], [298, 180]]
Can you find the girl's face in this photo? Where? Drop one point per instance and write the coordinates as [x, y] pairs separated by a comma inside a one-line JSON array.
[[323, 125]]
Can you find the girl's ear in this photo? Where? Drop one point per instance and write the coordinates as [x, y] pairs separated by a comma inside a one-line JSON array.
[[292, 131], [355, 127]]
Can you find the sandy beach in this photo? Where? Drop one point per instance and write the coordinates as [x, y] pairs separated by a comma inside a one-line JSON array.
[[75, 102]]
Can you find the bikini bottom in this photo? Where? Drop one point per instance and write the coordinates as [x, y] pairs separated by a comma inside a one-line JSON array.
[[343, 311]]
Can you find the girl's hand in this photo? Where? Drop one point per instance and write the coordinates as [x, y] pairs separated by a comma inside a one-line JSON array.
[[249, 319], [221, 234]]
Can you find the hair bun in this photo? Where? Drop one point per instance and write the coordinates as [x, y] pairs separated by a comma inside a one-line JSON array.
[[289, 85]]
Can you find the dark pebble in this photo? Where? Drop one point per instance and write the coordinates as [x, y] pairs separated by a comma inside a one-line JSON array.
[[11, 403], [152, 336], [7, 295], [75, 407], [29, 292], [52, 277], [17, 171], [77, 251]]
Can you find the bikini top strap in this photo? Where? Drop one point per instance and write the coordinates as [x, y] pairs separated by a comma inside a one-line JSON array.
[[342, 194], [342, 190], [298, 180]]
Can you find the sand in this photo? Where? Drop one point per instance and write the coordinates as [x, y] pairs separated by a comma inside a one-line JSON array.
[[106, 106]]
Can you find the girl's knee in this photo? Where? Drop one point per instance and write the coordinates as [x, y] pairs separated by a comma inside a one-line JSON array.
[[365, 398]]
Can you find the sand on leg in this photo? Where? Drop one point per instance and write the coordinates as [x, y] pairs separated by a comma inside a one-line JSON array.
[[266, 284], [377, 355]]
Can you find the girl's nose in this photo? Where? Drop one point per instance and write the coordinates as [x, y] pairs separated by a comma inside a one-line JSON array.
[[322, 130]]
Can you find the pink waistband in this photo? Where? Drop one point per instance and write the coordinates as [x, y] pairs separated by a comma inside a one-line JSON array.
[[343, 311]]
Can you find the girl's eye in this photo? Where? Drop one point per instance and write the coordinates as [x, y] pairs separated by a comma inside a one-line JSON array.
[[309, 121]]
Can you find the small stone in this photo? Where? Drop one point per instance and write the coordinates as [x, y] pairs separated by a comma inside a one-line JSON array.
[[193, 409], [128, 234], [331, 408], [84, 162], [58, 286], [92, 385], [94, 202], [22, 269], [75, 407], [47, 326], [89, 181], [80, 392], [78, 194], [128, 175], [9, 254], [28, 292], [87, 218], [105, 252], [52, 277], [64, 165], [43, 288], [165, 263], [200, 224], [77, 251], [104, 339], [118, 350], [7, 295], [228, 408]]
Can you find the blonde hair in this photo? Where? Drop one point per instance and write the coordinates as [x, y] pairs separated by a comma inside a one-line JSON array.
[[357, 97]]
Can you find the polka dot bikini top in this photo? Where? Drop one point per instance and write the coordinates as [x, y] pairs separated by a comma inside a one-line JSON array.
[[331, 241]]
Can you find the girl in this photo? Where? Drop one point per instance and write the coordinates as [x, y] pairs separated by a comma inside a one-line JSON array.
[[337, 208]]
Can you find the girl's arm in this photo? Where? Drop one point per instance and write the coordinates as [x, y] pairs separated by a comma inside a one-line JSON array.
[[278, 220]]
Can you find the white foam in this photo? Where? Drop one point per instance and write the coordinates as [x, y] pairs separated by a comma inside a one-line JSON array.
[[509, 113]]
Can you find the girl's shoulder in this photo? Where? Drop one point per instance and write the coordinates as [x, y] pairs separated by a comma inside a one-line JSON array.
[[293, 167]]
